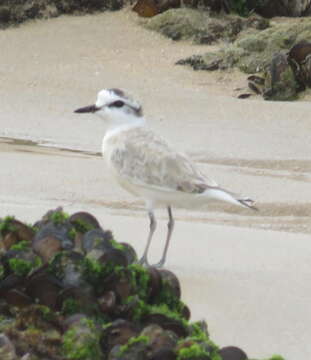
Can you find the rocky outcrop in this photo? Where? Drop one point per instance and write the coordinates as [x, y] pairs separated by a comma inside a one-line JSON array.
[[280, 53], [281, 7], [200, 27], [17, 11]]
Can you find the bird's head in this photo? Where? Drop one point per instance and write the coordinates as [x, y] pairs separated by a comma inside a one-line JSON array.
[[114, 105]]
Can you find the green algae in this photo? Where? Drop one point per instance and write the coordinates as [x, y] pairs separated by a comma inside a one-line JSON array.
[[58, 217], [70, 306], [140, 280], [82, 342], [22, 245], [20, 267], [194, 351], [82, 226], [252, 51], [133, 341], [6, 225]]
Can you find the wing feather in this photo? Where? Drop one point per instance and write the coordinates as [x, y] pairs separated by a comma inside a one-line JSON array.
[[143, 158]]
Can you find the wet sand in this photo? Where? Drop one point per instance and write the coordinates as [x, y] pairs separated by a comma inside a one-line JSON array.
[[248, 273]]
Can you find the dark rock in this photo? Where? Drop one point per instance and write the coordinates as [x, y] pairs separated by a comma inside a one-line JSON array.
[[299, 57], [146, 8], [280, 83], [254, 87], [232, 353], [17, 11], [159, 340], [5, 14], [118, 333], [281, 7]]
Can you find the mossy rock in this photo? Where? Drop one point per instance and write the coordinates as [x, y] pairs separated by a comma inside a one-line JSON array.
[[198, 26], [253, 51], [280, 82], [14, 12]]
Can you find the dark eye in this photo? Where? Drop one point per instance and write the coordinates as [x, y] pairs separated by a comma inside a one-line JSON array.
[[117, 103]]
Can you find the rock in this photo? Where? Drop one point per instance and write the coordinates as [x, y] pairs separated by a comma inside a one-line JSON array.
[[280, 83], [16, 11], [7, 349], [232, 353], [198, 26], [281, 7], [299, 57], [253, 51]]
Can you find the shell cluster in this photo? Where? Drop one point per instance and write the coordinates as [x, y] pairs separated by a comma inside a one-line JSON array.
[[68, 290]]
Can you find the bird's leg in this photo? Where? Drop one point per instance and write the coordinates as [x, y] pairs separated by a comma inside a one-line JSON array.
[[170, 228], [153, 225]]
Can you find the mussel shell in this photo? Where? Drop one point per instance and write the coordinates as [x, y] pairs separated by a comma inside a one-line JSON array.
[[118, 333], [86, 218], [167, 323], [119, 284], [9, 240], [171, 282], [232, 353], [107, 302], [113, 256], [83, 295], [97, 239], [164, 354], [59, 231], [155, 282], [186, 313], [21, 232], [15, 297], [47, 247], [10, 282], [66, 262], [129, 252], [44, 288], [71, 266], [159, 338], [72, 320]]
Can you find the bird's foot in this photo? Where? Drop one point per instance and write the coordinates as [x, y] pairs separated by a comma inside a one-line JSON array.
[[159, 265]]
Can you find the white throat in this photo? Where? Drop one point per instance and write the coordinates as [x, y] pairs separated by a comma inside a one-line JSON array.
[[125, 123]]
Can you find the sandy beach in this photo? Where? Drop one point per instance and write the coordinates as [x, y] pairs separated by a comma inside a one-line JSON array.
[[248, 274]]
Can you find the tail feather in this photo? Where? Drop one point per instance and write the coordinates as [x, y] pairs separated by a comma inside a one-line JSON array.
[[224, 195]]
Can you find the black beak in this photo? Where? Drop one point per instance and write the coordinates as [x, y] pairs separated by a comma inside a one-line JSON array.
[[87, 109]]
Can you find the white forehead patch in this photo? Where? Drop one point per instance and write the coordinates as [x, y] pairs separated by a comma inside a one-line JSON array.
[[108, 96], [105, 97]]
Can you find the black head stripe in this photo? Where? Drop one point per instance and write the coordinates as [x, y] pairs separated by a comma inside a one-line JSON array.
[[118, 92]]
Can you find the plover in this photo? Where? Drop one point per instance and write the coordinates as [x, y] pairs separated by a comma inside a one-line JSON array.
[[148, 167]]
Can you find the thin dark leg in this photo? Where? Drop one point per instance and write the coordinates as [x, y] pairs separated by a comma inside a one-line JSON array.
[[153, 225], [170, 228]]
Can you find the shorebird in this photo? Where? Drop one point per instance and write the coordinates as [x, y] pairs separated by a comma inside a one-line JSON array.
[[148, 167]]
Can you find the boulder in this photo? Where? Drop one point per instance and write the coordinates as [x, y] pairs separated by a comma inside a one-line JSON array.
[[281, 7], [280, 80], [199, 27]]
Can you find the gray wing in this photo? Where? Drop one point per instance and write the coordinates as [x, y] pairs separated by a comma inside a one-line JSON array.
[[146, 159]]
